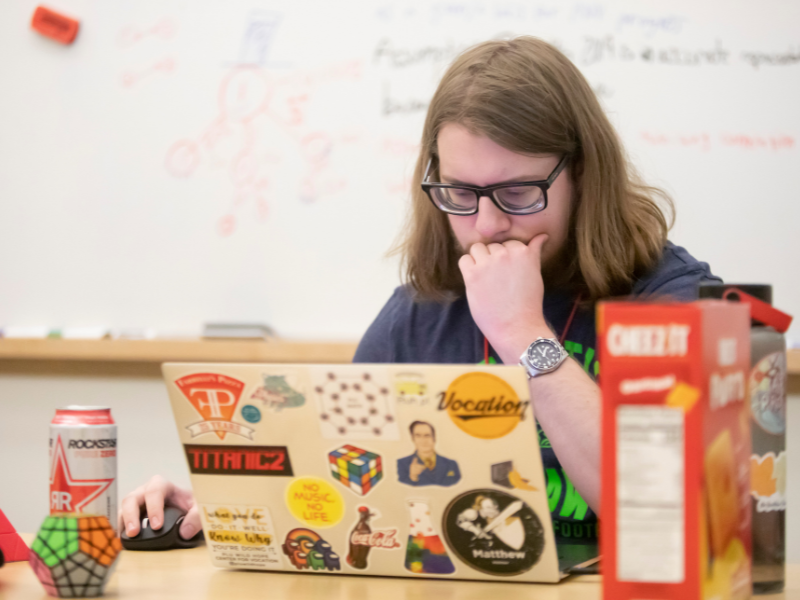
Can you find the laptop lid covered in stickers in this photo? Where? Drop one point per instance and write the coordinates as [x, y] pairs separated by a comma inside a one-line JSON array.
[[399, 470]]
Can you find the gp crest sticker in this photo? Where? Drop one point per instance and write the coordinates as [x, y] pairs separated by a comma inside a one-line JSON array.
[[214, 397]]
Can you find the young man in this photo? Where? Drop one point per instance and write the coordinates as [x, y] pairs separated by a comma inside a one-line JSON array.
[[524, 215]]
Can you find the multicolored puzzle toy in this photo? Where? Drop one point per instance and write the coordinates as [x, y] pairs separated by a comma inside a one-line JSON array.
[[74, 556], [358, 469]]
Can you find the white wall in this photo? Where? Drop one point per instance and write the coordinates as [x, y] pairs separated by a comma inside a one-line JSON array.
[[148, 178]]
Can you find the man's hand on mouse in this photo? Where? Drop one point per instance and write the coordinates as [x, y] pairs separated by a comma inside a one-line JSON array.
[[154, 496]]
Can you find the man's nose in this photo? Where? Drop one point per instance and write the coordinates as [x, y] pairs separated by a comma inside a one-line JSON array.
[[491, 220]]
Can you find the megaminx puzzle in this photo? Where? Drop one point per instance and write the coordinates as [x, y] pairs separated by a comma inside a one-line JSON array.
[[357, 469], [73, 556]]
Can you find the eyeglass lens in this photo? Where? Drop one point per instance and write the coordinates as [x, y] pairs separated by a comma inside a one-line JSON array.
[[521, 198]]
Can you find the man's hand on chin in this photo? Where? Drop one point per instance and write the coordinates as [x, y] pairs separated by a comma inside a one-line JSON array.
[[505, 292]]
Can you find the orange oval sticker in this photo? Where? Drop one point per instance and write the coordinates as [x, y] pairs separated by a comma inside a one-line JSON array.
[[483, 405]]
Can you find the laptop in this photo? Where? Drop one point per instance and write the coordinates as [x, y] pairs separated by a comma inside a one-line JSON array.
[[385, 469]]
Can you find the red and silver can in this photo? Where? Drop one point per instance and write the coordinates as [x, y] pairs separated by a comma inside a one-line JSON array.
[[83, 462]]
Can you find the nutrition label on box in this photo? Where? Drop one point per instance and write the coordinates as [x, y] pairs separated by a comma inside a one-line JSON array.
[[650, 494]]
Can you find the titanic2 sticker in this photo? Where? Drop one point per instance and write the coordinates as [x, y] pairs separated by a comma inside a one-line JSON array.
[[493, 532]]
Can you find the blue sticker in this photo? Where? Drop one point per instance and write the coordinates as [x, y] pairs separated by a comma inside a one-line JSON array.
[[251, 414]]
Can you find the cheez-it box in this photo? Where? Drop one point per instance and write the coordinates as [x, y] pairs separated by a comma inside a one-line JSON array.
[[675, 501]]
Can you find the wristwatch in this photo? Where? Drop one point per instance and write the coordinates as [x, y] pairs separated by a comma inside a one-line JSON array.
[[543, 356]]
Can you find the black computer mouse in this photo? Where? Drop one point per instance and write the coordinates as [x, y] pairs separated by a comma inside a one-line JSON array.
[[166, 538]]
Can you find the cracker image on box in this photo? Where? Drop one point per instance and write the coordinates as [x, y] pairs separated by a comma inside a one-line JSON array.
[[723, 503], [355, 468], [306, 549], [355, 407], [425, 466], [425, 551], [493, 532]]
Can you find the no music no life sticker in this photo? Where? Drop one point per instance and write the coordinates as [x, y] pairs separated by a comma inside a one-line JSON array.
[[314, 502]]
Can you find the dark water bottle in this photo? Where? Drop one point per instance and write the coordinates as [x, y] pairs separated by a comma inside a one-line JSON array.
[[767, 389]]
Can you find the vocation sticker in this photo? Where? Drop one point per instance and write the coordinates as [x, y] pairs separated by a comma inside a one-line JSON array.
[[315, 502], [493, 532], [483, 405]]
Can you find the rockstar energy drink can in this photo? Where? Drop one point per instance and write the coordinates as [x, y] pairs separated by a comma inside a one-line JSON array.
[[83, 462]]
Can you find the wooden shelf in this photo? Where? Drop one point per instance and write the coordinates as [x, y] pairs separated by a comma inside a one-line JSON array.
[[190, 350], [196, 350], [793, 362]]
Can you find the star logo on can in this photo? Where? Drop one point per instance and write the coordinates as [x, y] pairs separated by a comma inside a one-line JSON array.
[[67, 493], [214, 397]]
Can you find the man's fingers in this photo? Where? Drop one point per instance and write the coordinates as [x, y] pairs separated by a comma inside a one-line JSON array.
[[131, 511], [537, 242], [478, 251], [156, 491], [191, 524], [495, 248]]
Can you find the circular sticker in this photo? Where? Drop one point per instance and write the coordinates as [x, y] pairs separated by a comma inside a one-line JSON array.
[[493, 532], [251, 414], [768, 393], [315, 502], [483, 405]]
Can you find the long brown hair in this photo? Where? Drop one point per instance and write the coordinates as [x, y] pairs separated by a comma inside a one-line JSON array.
[[526, 96]]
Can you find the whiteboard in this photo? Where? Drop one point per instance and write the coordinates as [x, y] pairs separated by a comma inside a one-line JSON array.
[[193, 161]]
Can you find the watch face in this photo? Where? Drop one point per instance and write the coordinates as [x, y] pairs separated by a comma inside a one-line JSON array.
[[543, 354]]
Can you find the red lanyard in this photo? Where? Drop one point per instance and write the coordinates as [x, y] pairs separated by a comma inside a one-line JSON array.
[[560, 338]]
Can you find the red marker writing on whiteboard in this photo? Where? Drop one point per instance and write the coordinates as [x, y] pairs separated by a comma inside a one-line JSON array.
[[54, 25]]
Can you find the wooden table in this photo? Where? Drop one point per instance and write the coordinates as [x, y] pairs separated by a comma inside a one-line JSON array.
[[177, 574]]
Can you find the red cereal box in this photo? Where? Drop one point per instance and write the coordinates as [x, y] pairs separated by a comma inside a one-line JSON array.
[[675, 502]]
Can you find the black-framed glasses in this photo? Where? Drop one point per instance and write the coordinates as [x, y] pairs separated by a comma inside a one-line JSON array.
[[518, 198]]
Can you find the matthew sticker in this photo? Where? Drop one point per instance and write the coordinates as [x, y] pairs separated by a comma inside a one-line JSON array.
[[483, 405], [214, 397], [493, 532]]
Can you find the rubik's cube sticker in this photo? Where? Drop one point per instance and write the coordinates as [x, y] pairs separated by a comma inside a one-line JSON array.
[[358, 469], [73, 556], [355, 406]]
